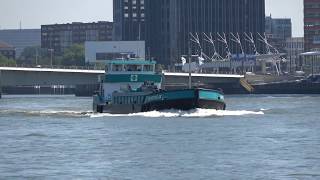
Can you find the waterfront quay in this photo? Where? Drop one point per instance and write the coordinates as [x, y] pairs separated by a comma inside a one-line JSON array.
[[87, 80], [84, 82]]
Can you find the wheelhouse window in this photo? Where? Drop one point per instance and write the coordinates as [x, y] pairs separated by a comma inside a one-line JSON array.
[[133, 68], [148, 68], [117, 68]]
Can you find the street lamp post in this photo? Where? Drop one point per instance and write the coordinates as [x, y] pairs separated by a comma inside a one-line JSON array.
[[36, 56], [312, 66], [290, 57], [51, 56], [0, 85]]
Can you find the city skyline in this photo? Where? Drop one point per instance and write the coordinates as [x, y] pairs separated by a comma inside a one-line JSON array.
[[16, 12]]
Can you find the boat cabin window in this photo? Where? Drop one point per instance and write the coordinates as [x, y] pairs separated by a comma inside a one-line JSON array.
[[117, 68], [148, 68], [133, 68]]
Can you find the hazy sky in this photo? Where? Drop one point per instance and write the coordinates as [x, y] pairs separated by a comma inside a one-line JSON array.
[[33, 13]]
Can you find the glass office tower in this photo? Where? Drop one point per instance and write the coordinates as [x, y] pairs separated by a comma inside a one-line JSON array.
[[165, 24]]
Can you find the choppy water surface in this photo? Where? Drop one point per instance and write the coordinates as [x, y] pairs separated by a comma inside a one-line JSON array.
[[258, 137]]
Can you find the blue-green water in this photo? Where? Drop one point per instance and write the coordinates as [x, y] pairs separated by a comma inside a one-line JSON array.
[[259, 137]]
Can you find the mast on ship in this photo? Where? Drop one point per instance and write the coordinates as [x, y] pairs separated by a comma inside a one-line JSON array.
[[189, 58]]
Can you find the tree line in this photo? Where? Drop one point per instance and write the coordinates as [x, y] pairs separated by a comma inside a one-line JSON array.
[[4, 61], [72, 56]]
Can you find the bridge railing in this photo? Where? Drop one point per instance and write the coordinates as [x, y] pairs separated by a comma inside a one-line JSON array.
[[55, 67]]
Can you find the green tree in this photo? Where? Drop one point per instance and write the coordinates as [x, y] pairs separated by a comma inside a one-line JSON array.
[[34, 55], [4, 61], [160, 67], [74, 56]]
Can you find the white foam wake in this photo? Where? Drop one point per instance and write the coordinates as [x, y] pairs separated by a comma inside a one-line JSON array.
[[188, 114], [197, 113], [46, 113]]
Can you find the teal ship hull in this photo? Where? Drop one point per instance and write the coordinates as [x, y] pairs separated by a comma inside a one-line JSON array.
[[185, 100], [164, 100]]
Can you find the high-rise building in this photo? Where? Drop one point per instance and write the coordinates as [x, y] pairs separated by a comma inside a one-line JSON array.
[[21, 38], [165, 25], [278, 30], [61, 36], [294, 47], [129, 18], [312, 24]]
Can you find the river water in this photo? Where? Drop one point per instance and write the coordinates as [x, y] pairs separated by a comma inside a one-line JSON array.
[[258, 137]]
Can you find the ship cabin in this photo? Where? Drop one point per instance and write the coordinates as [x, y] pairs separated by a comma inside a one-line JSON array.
[[125, 80], [130, 66]]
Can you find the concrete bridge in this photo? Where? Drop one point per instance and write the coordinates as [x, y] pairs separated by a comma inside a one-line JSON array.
[[20, 76]]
